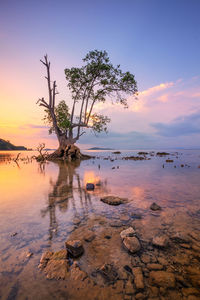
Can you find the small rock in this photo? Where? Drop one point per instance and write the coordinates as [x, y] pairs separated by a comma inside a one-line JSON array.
[[89, 237], [29, 254], [138, 278], [190, 291], [113, 200], [154, 206], [44, 259], [13, 234], [74, 247], [154, 266], [129, 290], [127, 232], [162, 279], [132, 244], [90, 186], [160, 241], [124, 218], [109, 272], [76, 221], [140, 296], [145, 258], [57, 269]]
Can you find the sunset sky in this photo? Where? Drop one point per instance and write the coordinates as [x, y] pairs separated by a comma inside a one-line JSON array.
[[157, 40]]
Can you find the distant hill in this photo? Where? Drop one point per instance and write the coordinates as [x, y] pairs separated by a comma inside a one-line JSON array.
[[6, 145], [97, 148]]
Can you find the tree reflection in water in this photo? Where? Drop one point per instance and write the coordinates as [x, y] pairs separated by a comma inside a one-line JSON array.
[[68, 189]]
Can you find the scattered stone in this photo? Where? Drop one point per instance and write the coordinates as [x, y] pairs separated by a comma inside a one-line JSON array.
[[89, 237], [113, 200], [116, 152], [142, 153], [169, 160], [129, 290], [109, 273], [140, 296], [162, 153], [154, 266], [116, 224], [136, 216], [90, 186], [13, 234], [29, 254], [57, 269], [76, 221], [74, 247], [127, 232], [133, 158], [154, 206], [44, 259], [190, 291], [179, 237], [162, 279], [145, 258], [124, 218], [160, 241], [138, 278], [77, 274], [132, 244]]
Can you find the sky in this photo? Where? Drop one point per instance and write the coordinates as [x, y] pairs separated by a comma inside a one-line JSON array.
[[158, 41]]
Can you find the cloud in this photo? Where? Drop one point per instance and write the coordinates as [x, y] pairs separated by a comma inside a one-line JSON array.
[[181, 126]]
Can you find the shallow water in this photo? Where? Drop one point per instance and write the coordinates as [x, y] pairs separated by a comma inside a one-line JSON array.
[[42, 205]]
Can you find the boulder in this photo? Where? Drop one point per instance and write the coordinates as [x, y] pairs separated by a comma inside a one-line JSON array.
[[109, 273], [74, 247], [113, 200], [154, 206], [132, 244], [127, 232]]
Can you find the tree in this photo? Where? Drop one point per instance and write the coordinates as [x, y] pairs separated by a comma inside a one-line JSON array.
[[96, 81]]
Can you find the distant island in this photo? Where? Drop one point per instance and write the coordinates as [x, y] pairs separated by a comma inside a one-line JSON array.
[[98, 148], [6, 145]]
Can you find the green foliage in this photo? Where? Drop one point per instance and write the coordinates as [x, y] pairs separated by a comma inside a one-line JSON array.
[[98, 78], [62, 116], [99, 123]]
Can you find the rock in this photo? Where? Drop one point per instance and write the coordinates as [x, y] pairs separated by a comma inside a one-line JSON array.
[[127, 232], [109, 273], [140, 296], [154, 266], [180, 237], [77, 274], [145, 258], [190, 291], [90, 186], [160, 241], [129, 290], [132, 244], [62, 254], [113, 200], [124, 218], [57, 269], [74, 247], [29, 254], [76, 221], [154, 206], [13, 234], [138, 278], [162, 279], [89, 236], [44, 259]]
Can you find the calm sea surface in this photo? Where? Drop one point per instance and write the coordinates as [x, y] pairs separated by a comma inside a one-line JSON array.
[[41, 203]]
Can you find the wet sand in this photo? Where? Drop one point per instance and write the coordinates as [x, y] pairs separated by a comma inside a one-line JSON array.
[[42, 206]]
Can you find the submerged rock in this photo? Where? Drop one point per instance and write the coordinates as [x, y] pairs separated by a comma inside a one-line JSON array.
[[113, 200], [55, 264], [74, 247], [127, 232], [154, 206], [109, 272], [89, 236], [132, 244], [90, 186], [161, 241]]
